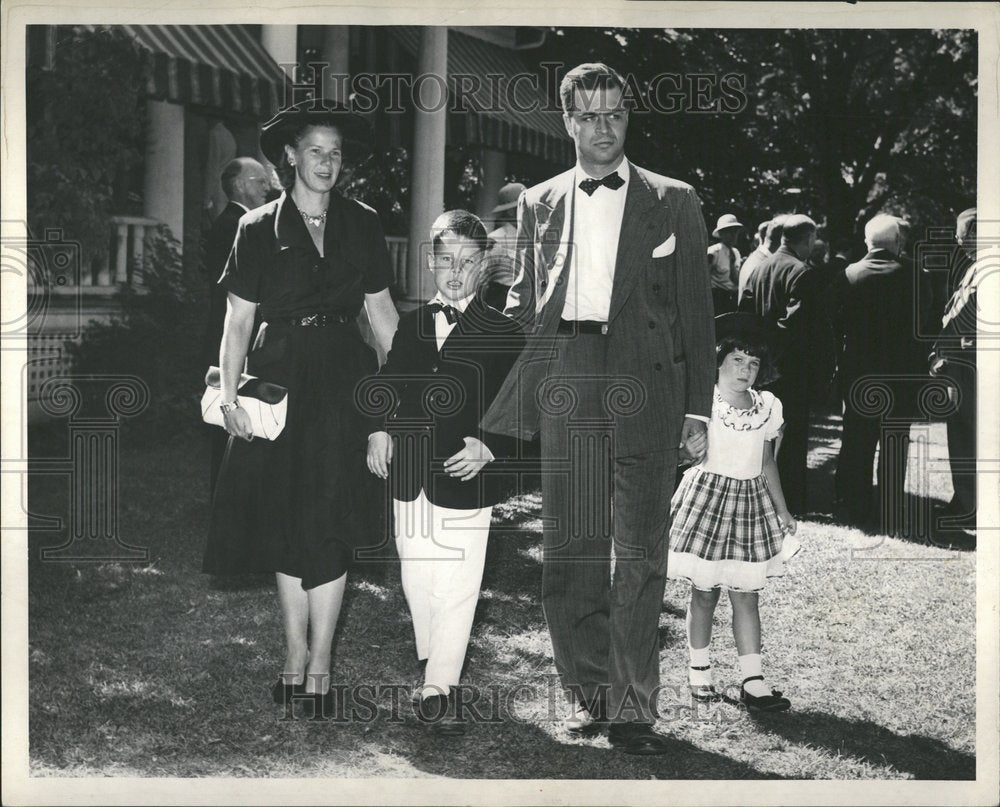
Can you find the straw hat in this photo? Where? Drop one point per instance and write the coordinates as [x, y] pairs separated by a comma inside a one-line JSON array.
[[507, 196], [727, 221]]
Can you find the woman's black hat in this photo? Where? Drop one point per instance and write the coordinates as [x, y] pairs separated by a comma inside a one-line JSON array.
[[278, 132], [744, 326]]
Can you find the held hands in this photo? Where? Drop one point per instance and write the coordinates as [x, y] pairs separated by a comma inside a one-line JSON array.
[[379, 454], [694, 440], [237, 423], [788, 524], [469, 461]]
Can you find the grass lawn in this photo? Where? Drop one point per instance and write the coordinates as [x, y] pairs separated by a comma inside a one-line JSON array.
[[158, 670]]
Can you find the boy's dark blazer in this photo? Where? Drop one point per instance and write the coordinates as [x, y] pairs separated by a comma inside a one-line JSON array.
[[441, 396]]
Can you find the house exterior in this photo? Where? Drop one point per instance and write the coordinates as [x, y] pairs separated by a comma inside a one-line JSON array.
[[208, 89]]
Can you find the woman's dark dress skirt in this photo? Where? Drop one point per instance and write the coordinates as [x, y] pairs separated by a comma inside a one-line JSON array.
[[302, 504]]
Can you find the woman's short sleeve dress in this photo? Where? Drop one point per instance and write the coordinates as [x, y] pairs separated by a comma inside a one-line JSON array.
[[303, 504], [724, 530]]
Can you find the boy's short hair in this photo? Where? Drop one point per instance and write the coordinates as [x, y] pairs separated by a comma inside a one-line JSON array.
[[460, 223], [590, 76]]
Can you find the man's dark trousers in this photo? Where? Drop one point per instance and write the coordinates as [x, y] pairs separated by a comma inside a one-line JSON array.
[[588, 496]]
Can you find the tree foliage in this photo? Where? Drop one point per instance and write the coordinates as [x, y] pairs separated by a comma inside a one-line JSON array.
[[84, 130], [855, 121]]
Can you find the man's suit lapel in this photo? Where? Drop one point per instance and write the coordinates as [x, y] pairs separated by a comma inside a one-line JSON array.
[[641, 222], [554, 242]]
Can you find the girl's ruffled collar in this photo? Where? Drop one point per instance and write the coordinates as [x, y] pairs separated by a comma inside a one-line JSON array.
[[742, 419]]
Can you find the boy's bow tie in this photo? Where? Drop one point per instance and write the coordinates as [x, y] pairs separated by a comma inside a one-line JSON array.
[[450, 312], [612, 180]]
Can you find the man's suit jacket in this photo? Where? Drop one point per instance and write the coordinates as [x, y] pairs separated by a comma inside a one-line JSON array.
[[876, 321], [661, 333], [440, 398], [218, 245], [786, 291]]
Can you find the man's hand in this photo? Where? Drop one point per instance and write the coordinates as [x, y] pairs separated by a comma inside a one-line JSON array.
[[469, 461], [379, 454], [691, 431]]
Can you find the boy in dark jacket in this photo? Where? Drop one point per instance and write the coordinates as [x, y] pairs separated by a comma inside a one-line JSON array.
[[447, 362]]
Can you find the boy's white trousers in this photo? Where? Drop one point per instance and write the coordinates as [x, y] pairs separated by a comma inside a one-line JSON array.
[[442, 553]]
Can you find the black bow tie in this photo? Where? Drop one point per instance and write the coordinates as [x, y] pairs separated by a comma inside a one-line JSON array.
[[612, 180], [450, 312]]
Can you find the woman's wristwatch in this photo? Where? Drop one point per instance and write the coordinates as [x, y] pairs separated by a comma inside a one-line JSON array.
[[229, 407]]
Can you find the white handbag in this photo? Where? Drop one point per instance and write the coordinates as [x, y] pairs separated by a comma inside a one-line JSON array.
[[264, 402]]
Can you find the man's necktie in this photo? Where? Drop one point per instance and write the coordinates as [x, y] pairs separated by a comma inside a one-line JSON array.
[[450, 313], [612, 180]]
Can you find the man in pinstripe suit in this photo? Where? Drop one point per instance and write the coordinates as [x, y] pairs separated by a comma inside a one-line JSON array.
[[613, 292]]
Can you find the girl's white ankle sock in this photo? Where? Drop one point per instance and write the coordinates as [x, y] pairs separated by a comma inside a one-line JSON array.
[[750, 665], [700, 657]]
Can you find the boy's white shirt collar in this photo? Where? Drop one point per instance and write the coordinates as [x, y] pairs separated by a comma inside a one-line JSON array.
[[458, 305]]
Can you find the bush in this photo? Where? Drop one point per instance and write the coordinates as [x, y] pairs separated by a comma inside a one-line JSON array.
[[157, 338]]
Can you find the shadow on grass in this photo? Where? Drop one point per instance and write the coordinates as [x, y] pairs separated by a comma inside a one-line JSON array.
[[513, 750], [922, 757]]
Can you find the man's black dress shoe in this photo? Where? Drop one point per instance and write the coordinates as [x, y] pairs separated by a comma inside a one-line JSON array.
[[637, 738]]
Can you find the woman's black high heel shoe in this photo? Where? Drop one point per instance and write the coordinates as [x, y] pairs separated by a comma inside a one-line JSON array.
[[763, 703], [282, 693]]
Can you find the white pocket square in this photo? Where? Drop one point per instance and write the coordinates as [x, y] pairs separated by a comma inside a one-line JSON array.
[[666, 248]]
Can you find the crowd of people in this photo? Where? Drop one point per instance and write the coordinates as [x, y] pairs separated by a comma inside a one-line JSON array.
[[857, 337], [594, 320]]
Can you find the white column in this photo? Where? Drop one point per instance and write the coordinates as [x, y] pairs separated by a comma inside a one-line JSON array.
[[427, 172], [336, 53], [163, 179], [281, 42], [494, 165]]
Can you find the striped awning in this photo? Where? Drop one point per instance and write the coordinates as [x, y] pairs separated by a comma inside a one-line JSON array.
[[218, 66], [527, 126]]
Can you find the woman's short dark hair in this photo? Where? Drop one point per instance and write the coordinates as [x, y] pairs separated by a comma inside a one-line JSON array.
[[759, 350], [589, 76], [463, 224], [284, 169]]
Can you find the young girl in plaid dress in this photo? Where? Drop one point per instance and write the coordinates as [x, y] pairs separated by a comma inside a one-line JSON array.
[[730, 527]]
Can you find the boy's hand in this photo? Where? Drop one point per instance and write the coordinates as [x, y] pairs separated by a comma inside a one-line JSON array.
[[379, 454], [469, 461]]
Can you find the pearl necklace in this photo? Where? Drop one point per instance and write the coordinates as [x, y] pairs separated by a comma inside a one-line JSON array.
[[315, 221]]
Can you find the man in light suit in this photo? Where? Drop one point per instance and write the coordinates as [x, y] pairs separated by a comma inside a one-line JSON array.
[[613, 292]]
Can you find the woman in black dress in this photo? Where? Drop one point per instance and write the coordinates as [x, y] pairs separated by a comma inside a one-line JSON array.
[[301, 505]]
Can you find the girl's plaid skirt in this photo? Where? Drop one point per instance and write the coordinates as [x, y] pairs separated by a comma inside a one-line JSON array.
[[725, 533]]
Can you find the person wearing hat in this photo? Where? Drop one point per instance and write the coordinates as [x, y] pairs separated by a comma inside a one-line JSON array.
[[301, 505], [724, 263], [498, 275], [787, 291], [729, 525]]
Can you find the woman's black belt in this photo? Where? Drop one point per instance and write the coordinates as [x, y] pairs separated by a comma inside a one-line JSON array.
[[317, 320]]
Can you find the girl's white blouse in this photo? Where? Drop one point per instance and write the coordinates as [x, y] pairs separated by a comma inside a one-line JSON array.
[[736, 436]]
